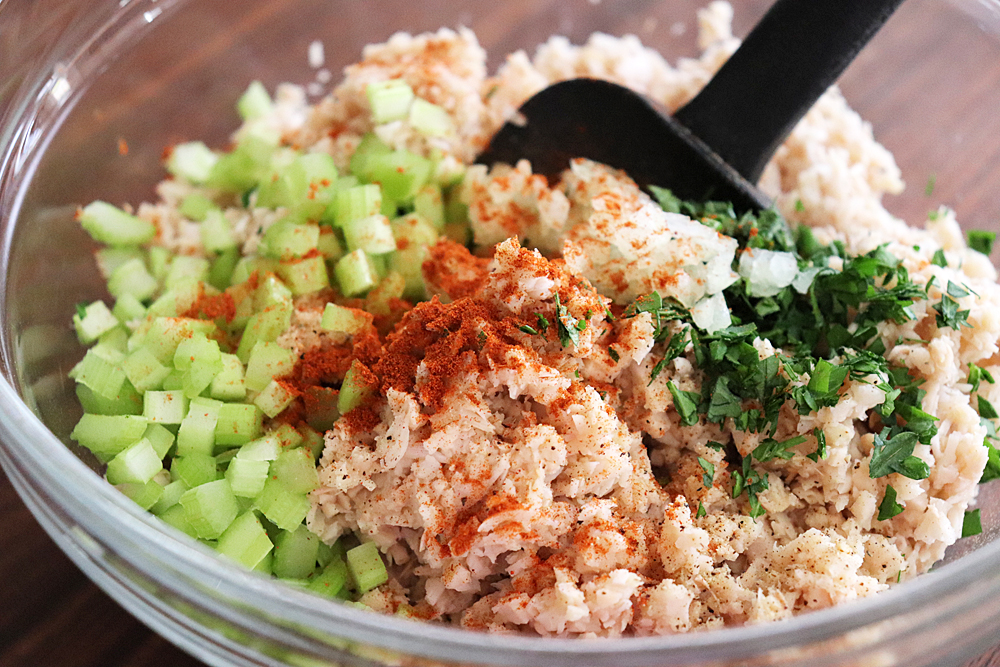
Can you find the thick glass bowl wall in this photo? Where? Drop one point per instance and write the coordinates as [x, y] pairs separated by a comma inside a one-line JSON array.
[[91, 93]]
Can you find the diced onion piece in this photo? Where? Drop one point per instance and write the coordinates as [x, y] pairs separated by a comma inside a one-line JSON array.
[[767, 272], [712, 313]]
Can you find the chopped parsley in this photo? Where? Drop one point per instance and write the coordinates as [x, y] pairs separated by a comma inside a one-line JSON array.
[[708, 479], [613, 353], [701, 511], [981, 241], [686, 404], [566, 325], [939, 258], [799, 206], [889, 508], [543, 323], [972, 524], [769, 448], [992, 469], [528, 329], [820, 452], [977, 375], [893, 452], [986, 409]]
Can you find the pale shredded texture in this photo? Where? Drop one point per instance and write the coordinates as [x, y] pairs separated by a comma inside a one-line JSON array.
[[514, 482]]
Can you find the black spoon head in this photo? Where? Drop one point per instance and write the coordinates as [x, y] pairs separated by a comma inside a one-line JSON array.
[[613, 125]]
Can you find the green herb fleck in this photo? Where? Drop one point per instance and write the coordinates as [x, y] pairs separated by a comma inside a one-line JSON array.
[[986, 408], [566, 325], [701, 511], [657, 369], [931, 182], [708, 479], [895, 454], [981, 241], [81, 310], [972, 524], [543, 323], [992, 469], [769, 448], [799, 206], [686, 404], [528, 329], [889, 508], [939, 258], [613, 353]]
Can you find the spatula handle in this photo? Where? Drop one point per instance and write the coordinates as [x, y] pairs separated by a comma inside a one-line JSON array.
[[794, 54]]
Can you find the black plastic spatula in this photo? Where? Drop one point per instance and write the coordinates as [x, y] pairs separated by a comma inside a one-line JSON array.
[[716, 146]]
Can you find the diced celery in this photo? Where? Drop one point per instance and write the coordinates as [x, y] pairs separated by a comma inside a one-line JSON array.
[[174, 381], [112, 226], [372, 234], [220, 275], [379, 300], [332, 580], [305, 186], [428, 203], [196, 206], [192, 161], [137, 464], [166, 333], [306, 275], [295, 553], [331, 552], [356, 203], [255, 102], [380, 265], [172, 493], [132, 278], [288, 436], [271, 292], [245, 541], [408, 263], [389, 100], [400, 173], [177, 517], [184, 267], [266, 326], [165, 407], [229, 384], [358, 387], [246, 477], [101, 371], [261, 449], [182, 295], [96, 319], [296, 469], [197, 431], [160, 437], [285, 509], [144, 370], [126, 402], [194, 469], [216, 232], [238, 424], [366, 567], [144, 495], [108, 435], [321, 408], [355, 273], [328, 244], [115, 338], [210, 508], [109, 259], [287, 240], [312, 440], [159, 262], [244, 167], [201, 361], [128, 308], [274, 398], [264, 566], [344, 320], [430, 119], [267, 361]]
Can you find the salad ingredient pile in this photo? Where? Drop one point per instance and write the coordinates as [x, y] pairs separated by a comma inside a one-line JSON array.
[[342, 354]]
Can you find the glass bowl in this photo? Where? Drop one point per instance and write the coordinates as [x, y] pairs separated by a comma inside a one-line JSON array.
[[90, 94]]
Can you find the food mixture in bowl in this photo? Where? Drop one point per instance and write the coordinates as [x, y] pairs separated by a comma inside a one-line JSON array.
[[344, 355]]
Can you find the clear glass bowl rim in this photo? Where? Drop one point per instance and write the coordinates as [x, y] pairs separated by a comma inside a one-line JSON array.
[[118, 525]]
